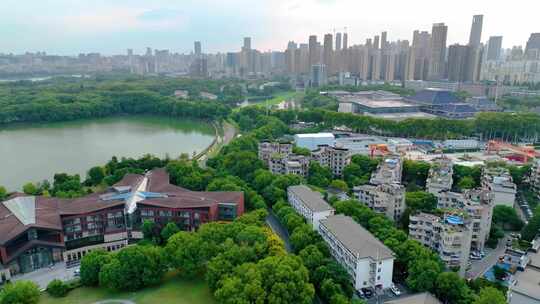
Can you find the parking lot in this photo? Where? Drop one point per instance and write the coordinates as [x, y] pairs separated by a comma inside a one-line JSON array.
[[44, 276], [386, 295]]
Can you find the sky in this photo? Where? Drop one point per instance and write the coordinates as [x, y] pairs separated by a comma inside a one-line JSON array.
[[70, 27]]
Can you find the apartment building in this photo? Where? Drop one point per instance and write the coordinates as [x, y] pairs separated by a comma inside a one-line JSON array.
[[440, 176], [449, 235], [37, 231], [387, 199], [368, 261], [334, 158], [389, 171], [478, 205], [524, 289], [280, 159], [268, 149], [535, 177], [498, 181], [309, 204]]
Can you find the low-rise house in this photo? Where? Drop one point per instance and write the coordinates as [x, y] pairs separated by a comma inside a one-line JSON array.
[[309, 204], [334, 158], [387, 199], [183, 94], [448, 235], [440, 176], [498, 181], [368, 261], [209, 96], [268, 149], [478, 205]]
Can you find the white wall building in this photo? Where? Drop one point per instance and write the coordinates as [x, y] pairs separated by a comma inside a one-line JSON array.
[[525, 288], [334, 158], [309, 204], [387, 199], [312, 141], [389, 171], [440, 176], [499, 182], [368, 261]]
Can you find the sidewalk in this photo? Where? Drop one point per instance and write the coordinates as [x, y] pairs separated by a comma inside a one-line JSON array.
[[44, 276]]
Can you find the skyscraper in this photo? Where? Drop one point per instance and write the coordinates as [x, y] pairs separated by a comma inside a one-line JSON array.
[[345, 41], [328, 52], [494, 48], [476, 31], [384, 42], [313, 51], [437, 52], [338, 41], [247, 43], [318, 75], [198, 48], [532, 50], [419, 56], [457, 62], [376, 42]]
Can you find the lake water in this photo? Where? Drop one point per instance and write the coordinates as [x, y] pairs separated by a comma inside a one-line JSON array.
[[34, 152]]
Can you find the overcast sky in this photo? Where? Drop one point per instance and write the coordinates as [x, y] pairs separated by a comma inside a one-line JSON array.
[[112, 26]]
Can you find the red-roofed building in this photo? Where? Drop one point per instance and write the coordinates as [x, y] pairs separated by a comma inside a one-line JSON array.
[[36, 232]]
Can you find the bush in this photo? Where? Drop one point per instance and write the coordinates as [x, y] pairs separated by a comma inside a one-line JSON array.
[[91, 265], [57, 288], [21, 292]]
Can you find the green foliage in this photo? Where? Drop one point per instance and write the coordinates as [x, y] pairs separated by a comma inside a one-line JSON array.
[[3, 193], [184, 252], [301, 151], [423, 274], [421, 201], [530, 230], [466, 177], [339, 184], [499, 273], [91, 265], [57, 288], [189, 175], [358, 172], [133, 268], [507, 218], [490, 295], [95, 176], [169, 230], [415, 173], [452, 288], [495, 234], [30, 189], [466, 183], [318, 175], [20, 292]]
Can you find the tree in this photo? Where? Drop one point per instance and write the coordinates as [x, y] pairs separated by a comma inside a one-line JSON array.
[[302, 236], [507, 218], [133, 268], [20, 292], [91, 265], [450, 288], [465, 183], [3, 193], [184, 252], [311, 257], [169, 230], [150, 231], [30, 189], [340, 185], [423, 274], [318, 175], [490, 295], [415, 173], [421, 201], [57, 288], [95, 176]]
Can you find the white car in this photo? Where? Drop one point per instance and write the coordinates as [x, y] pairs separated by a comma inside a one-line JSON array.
[[395, 290]]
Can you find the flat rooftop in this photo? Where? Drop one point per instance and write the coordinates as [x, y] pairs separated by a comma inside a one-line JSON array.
[[312, 199], [373, 103], [356, 238], [528, 282], [402, 116]]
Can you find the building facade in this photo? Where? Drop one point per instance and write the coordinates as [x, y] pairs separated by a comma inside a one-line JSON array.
[[498, 181], [387, 199], [38, 231], [368, 262], [334, 158], [309, 204], [440, 176]]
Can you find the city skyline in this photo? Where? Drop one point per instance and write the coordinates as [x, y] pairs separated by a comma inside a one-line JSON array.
[[69, 28]]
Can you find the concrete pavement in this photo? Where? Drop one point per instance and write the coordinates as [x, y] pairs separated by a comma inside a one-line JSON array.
[[278, 229], [44, 276], [478, 268]]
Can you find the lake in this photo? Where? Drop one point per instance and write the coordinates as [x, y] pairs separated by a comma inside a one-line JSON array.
[[34, 152]]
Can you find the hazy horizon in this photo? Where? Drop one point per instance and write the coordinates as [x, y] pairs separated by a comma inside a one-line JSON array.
[[69, 27]]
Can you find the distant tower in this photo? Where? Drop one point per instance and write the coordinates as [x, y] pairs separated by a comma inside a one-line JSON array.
[[313, 51], [494, 48], [384, 42], [345, 41], [328, 51], [247, 43], [198, 48], [376, 42], [338, 41], [438, 51], [476, 31]]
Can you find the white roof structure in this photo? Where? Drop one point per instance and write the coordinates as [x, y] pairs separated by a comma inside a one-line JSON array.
[[315, 135], [23, 208]]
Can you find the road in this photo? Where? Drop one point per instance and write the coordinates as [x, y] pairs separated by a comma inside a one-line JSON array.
[[278, 229], [478, 268], [42, 277], [229, 132]]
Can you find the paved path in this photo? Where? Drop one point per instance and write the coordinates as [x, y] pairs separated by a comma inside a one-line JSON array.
[[115, 302], [278, 229], [44, 276], [478, 268]]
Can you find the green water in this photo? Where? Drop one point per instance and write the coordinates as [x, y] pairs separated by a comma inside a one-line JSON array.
[[34, 152]]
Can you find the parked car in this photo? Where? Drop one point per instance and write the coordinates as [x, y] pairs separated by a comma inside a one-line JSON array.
[[367, 292], [395, 290]]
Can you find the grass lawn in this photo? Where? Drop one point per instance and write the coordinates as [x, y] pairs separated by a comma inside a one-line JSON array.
[[173, 290], [278, 98]]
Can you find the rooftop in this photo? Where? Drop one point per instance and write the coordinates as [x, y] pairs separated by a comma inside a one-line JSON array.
[[356, 238], [318, 135], [434, 97], [312, 199], [528, 282], [420, 298]]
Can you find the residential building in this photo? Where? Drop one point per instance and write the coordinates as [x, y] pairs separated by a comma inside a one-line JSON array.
[[334, 158], [479, 207], [449, 235], [280, 159], [309, 204], [267, 149], [387, 199], [437, 57], [498, 181], [388, 171], [476, 31], [368, 261], [37, 231], [319, 75], [494, 48], [440, 175], [535, 177], [458, 62], [524, 288], [312, 141]]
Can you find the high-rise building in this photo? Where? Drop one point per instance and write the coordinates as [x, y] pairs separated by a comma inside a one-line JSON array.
[[384, 41], [437, 52], [457, 62], [198, 48], [419, 56], [532, 50], [376, 42], [318, 75], [247, 43], [494, 48], [476, 31], [345, 41], [338, 41], [328, 52], [314, 57]]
